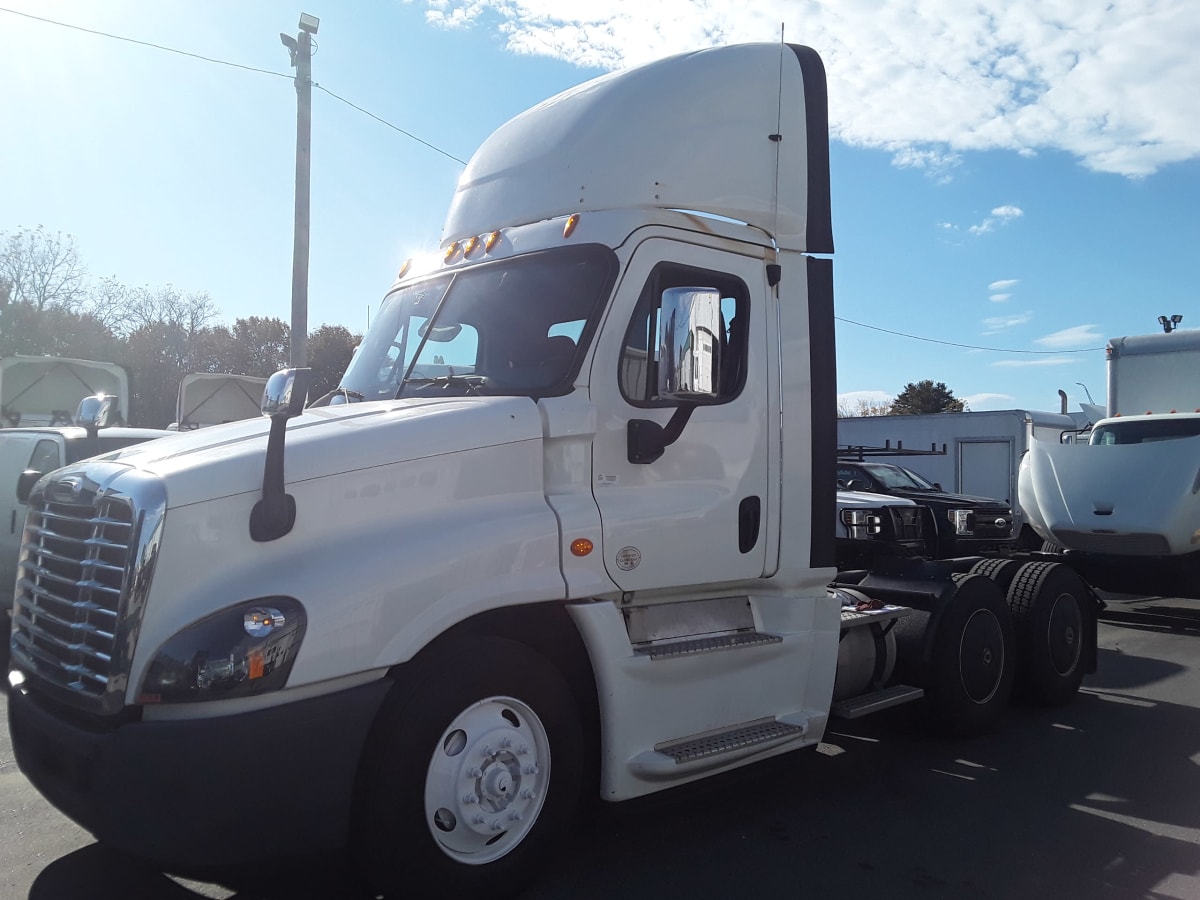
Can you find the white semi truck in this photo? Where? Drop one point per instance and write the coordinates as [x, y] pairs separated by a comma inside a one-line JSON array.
[[1124, 506], [592, 557]]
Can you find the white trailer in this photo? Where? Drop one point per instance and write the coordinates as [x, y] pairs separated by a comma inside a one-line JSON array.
[[46, 390], [420, 620], [973, 453]]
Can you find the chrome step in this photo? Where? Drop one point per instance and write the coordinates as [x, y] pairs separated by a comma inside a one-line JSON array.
[[852, 618], [750, 734], [693, 646], [865, 704]]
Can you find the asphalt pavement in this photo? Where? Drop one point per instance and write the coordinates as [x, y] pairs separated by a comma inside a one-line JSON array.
[[1095, 800]]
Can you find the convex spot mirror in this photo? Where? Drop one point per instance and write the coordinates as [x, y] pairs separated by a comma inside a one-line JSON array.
[[285, 393], [25, 482], [97, 411], [689, 345]]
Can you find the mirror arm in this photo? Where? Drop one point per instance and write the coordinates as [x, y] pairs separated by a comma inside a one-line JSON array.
[[646, 439], [275, 512]]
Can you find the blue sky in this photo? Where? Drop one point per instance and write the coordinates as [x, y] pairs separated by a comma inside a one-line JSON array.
[[1007, 175]]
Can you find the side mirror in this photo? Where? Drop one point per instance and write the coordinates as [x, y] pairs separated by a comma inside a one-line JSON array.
[[25, 482], [689, 345], [285, 393], [97, 411], [283, 398], [858, 484]]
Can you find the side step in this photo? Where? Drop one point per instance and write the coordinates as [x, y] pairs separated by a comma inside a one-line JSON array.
[[689, 647], [865, 704], [714, 748]]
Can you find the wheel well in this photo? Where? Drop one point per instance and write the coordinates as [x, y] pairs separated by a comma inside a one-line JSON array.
[[548, 629]]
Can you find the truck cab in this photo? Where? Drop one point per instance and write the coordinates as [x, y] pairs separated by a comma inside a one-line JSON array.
[[564, 528]]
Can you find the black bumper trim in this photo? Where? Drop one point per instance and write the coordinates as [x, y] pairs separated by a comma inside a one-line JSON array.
[[216, 791]]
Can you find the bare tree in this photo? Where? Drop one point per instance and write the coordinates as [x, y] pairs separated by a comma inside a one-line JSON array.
[[848, 409], [42, 269]]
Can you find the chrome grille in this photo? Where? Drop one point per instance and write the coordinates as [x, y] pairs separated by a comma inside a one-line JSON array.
[[81, 580]]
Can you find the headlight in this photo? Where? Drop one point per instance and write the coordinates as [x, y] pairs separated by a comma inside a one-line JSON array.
[[963, 520], [862, 522], [246, 649]]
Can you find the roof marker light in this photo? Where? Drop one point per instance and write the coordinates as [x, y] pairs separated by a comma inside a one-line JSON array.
[[470, 245], [452, 252], [404, 268], [491, 241], [569, 226]]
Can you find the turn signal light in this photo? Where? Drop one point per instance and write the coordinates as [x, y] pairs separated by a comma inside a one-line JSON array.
[[572, 221], [581, 547]]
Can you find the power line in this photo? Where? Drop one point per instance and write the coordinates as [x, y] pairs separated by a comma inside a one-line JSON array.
[[129, 40], [222, 62], [389, 124], [916, 337]]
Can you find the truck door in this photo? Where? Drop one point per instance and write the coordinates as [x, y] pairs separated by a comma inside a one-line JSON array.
[[699, 513], [18, 451], [985, 469]]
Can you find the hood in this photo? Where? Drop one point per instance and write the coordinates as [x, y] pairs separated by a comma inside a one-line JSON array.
[[946, 498], [223, 460], [855, 499]]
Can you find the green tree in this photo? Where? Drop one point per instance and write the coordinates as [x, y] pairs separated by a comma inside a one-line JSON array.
[[926, 397], [329, 350], [260, 346]]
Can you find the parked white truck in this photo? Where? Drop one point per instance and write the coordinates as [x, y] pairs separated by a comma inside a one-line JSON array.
[[46, 390], [594, 556], [1125, 506]]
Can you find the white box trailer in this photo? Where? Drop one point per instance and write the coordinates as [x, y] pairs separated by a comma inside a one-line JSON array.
[[974, 453], [46, 390], [1154, 373]]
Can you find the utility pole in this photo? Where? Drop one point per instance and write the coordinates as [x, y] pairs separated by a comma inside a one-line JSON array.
[[300, 48]]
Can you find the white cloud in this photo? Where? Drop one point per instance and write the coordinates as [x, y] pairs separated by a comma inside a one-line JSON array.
[[999, 298], [1111, 83], [1034, 361], [868, 396], [1004, 284], [1000, 216], [1077, 336], [999, 323]]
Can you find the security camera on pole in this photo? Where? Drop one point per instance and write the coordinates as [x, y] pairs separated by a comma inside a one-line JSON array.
[[300, 48]]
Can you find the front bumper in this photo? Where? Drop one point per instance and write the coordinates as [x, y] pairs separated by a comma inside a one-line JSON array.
[[213, 791]]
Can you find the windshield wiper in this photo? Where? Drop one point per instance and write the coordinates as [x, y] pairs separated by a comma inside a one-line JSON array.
[[470, 382]]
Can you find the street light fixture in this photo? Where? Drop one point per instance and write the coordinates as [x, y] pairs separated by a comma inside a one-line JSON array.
[[1170, 324]]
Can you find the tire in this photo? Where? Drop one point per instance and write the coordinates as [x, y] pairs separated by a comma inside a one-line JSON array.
[[970, 677], [470, 775], [1001, 571], [1049, 602]]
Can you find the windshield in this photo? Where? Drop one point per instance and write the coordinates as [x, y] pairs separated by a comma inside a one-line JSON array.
[[900, 479], [514, 326], [1141, 432]]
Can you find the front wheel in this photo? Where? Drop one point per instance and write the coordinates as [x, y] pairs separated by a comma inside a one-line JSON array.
[[470, 775]]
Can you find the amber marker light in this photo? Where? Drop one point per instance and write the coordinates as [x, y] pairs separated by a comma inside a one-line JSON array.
[[581, 547], [452, 251], [569, 227], [404, 268], [490, 243], [470, 245]]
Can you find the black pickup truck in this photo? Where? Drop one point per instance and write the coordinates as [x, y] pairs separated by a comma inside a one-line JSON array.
[[966, 526]]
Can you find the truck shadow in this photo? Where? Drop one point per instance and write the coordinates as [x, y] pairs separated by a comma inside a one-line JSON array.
[[1095, 799]]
